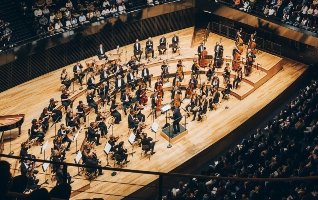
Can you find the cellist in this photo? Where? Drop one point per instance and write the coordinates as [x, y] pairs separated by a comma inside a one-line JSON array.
[[180, 72]]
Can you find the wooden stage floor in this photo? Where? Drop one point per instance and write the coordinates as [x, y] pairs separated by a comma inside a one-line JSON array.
[[274, 76]]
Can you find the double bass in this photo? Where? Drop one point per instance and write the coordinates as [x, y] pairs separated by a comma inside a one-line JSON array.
[[252, 43], [236, 62], [203, 61], [239, 41]]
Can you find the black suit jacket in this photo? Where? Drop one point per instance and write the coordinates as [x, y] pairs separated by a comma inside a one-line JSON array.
[[131, 121], [163, 41], [149, 44], [175, 39], [137, 47], [143, 74], [129, 79], [122, 83], [177, 115]]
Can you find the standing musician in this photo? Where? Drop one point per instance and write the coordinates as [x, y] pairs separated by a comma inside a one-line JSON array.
[[56, 114], [154, 102], [137, 50], [211, 71], [114, 112], [252, 43], [132, 120], [35, 131], [132, 63], [164, 70], [103, 75], [236, 62], [218, 54], [65, 79], [195, 69], [250, 59], [44, 119], [101, 124], [81, 111], [78, 73], [66, 101], [175, 43], [90, 100], [101, 53], [203, 60], [162, 48], [238, 78], [131, 79], [200, 49], [103, 93], [145, 75], [176, 117], [149, 48], [126, 100], [62, 132], [239, 40], [180, 72], [91, 85], [91, 133]]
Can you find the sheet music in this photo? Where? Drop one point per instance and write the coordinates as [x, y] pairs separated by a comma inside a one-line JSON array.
[[132, 138], [107, 148], [165, 85], [45, 166], [154, 127], [45, 145], [78, 157], [166, 107]]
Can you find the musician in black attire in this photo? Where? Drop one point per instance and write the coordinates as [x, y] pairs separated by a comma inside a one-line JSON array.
[[137, 50], [65, 79], [148, 142], [65, 100], [145, 75], [162, 45], [127, 101], [137, 109], [56, 114], [215, 100], [103, 93], [44, 117], [149, 48], [91, 85], [101, 124], [90, 100], [101, 53], [227, 89], [164, 70], [175, 43], [119, 83], [80, 111], [121, 153], [226, 73], [103, 75], [91, 133], [35, 131], [195, 69], [176, 119], [218, 55], [192, 104], [200, 49], [78, 73], [62, 176], [203, 107], [238, 78], [132, 121], [210, 72], [92, 160], [131, 79], [114, 112], [133, 64], [63, 132]]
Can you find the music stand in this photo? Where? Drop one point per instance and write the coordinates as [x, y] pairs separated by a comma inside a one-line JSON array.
[[131, 140], [107, 149], [43, 148], [165, 109], [77, 159], [75, 139], [45, 166], [154, 128]]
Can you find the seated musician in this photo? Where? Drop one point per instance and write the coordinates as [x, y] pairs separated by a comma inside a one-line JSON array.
[[91, 133], [119, 83], [200, 49], [175, 43], [100, 120], [92, 160], [149, 48], [78, 73], [103, 93], [148, 142], [210, 72], [137, 50], [56, 114], [91, 85], [103, 75], [71, 119], [227, 89], [192, 104], [81, 111], [131, 79], [126, 100], [63, 131], [203, 107], [132, 63], [145, 75], [164, 70], [238, 78], [35, 131], [180, 72], [65, 80], [44, 118], [162, 45], [25, 146], [132, 121], [119, 71], [204, 90], [226, 74], [120, 153], [195, 69], [60, 175], [114, 112], [194, 82], [101, 53], [90, 100], [137, 109], [65, 99], [215, 99], [215, 82], [159, 87]]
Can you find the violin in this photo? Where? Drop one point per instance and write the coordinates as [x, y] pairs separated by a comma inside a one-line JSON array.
[[143, 97]]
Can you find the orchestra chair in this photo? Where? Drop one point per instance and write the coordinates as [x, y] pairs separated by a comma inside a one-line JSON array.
[[145, 150], [203, 117], [91, 173], [119, 161]]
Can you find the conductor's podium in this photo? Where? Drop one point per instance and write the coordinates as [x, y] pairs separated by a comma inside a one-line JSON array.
[[168, 132]]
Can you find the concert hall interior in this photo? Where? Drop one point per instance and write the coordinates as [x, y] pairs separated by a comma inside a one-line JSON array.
[[158, 99]]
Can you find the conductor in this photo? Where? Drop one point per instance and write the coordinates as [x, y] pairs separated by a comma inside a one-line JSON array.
[[176, 119]]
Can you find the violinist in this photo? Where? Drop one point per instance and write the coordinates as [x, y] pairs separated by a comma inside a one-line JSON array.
[[215, 99], [131, 79], [81, 111], [35, 131], [204, 89], [65, 79], [192, 104], [78, 73], [195, 69], [65, 99], [92, 160], [91, 84], [100, 120], [148, 141], [91, 133], [215, 82], [180, 72], [120, 153], [164, 70], [44, 118], [159, 87], [103, 75], [203, 107], [175, 43], [162, 48], [149, 48], [114, 112], [227, 89], [137, 50], [56, 114], [62, 132], [25, 146], [145, 75], [210, 72], [137, 110], [238, 78], [119, 71], [126, 100], [90, 100], [132, 63], [132, 121], [194, 82], [226, 73], [103, 93]]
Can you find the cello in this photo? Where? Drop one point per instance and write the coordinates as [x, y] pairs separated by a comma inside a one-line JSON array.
[[203, 61]]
